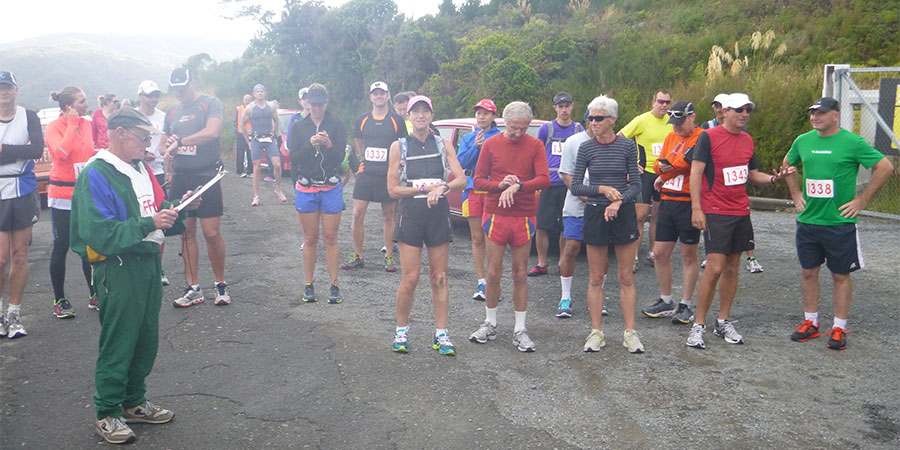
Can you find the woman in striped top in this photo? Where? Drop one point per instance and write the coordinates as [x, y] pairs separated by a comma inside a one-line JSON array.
[[609, 216]]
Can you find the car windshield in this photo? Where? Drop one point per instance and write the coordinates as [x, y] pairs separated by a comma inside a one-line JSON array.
[[284, 120]]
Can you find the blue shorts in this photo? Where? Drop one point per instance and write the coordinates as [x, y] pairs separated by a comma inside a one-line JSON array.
[[257, 148], [573, 228], [836, 245], [328, 202]]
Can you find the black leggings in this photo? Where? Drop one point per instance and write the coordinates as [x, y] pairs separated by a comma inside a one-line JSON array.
[[59, 218]]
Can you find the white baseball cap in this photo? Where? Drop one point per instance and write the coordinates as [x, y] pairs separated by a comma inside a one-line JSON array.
[[148, 87], [737, 100], [720, 99], [379, 85]]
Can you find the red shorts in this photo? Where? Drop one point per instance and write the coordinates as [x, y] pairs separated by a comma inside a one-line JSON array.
[[513, 230], [473, 203]]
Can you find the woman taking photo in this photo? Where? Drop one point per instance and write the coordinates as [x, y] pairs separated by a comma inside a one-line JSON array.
[[317, 145], [609, 216], [71, 144], [108, 105], [419, 166]]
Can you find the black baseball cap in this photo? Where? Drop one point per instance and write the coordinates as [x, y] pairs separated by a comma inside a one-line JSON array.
[[8, 78], [131, 118], [679, 111], [180, 78], [316, 96], [562, 97], [825, 104]]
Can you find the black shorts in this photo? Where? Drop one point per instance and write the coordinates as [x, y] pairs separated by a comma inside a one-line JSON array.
[[20, 212], [648, 194], [728, 234], [418, 224], [211, 203], [371, 188], [674, 223], [549, 210], [837, 244], [621, 230]]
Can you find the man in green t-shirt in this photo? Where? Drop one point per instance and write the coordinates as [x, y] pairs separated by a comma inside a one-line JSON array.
[[649, 131], [828, 206]]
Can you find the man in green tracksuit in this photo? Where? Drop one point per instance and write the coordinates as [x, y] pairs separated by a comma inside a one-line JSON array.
[[119, 219]]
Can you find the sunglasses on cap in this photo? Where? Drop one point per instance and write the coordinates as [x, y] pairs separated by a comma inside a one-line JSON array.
[[743, 108], [597, 118], [663, 102], [678, 114]]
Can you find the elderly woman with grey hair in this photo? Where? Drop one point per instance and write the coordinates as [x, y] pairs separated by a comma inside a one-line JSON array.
[[609, 216]]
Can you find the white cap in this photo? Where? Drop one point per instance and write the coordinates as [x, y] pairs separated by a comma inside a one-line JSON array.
[[379, 85], [148, 87], [720, 99], [737, 100], [302, 92]]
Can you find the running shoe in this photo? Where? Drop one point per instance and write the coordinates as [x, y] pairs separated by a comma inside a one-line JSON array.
[[805, 331], [255, 201], [522, 341], [384, 249], [147, 413], [635, 268], [354, 262], [683, 314], [244, 175], [401, 342], [280, 196], [190, 298], [222, 297], [659, 308], [4, 327], [838, 339], [269, 179], [485, 332], [564, 308], [632, 342], [14, 327], [695, 339], [390, 263], [753, 266], [309, 293], [443, 345], [537, 271], [726, 331], [703, 264], [164, 279], [114, 430], [594, 342], [604, 311], [93, 304], [479, 293], [334, 295], [63, 309], [651, 258]]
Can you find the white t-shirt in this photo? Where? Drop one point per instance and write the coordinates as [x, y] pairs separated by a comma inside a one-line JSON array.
[[158, 120], [573, 207]]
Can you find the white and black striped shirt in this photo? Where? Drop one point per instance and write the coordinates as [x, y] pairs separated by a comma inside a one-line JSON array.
[[613, 164]]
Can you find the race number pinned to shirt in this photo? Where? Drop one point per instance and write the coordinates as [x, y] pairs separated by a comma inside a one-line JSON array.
[[187, 150], [674, 184], [425, 183], [656, 148], [78, 167], [376, 154], [556, 148], [266, 140], [820, 188], [735, 175]]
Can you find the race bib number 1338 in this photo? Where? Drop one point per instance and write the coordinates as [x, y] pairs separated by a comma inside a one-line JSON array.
[[820, 188]]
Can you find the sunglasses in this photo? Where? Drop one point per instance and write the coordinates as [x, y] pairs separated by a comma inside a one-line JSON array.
[[597, 118], [743, 108], [679, 114], [145, 138], [664, 102]]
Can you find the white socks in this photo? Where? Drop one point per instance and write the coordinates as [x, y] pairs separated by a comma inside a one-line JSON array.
[[520, 321], [838, 323], [566, 283], [15, 309], [490, 315], [440, 331], [814, 316], [666, 298]]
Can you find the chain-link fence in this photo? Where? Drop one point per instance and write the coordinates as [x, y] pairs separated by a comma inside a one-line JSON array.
[[870, 107]]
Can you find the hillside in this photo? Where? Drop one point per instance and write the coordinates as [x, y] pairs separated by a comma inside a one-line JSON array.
[[101, 63]]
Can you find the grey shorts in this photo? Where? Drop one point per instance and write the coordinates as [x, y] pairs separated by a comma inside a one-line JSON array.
[[20, 212], [257, 148]]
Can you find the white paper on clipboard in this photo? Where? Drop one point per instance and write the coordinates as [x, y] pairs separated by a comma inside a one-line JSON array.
[[200, 191]]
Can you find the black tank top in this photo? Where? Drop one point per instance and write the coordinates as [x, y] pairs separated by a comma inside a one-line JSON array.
[[429, 166]]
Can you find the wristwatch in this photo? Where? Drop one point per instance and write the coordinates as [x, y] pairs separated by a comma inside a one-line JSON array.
[[520, 185]]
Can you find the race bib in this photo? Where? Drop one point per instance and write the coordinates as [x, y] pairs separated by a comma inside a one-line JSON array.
[[656, 148], [674, 184], [820, 188], [187, 150], [734, 175], [376, 154], [422, 183], [556, 148], [266, 140], [78, 167]]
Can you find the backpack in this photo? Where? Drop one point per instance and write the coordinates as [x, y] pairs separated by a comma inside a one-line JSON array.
[[404, 151]]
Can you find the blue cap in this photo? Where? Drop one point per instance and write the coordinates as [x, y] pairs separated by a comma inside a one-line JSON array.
[[258, 87]]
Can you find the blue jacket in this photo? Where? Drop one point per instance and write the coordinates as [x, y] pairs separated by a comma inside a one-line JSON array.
[[468, 153]]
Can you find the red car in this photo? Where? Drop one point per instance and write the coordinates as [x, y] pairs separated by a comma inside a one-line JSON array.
[[453, 130]]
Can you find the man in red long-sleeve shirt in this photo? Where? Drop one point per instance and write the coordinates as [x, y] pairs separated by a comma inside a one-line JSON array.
[[511, 167]]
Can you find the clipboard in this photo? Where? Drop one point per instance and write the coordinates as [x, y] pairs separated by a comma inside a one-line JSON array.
[[201, 190]]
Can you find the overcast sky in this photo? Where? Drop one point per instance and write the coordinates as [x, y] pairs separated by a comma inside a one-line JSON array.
[[30, 18]]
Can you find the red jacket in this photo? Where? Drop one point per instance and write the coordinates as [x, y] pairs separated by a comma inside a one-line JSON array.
[[70, 144], [98, 129], [526, 159]]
